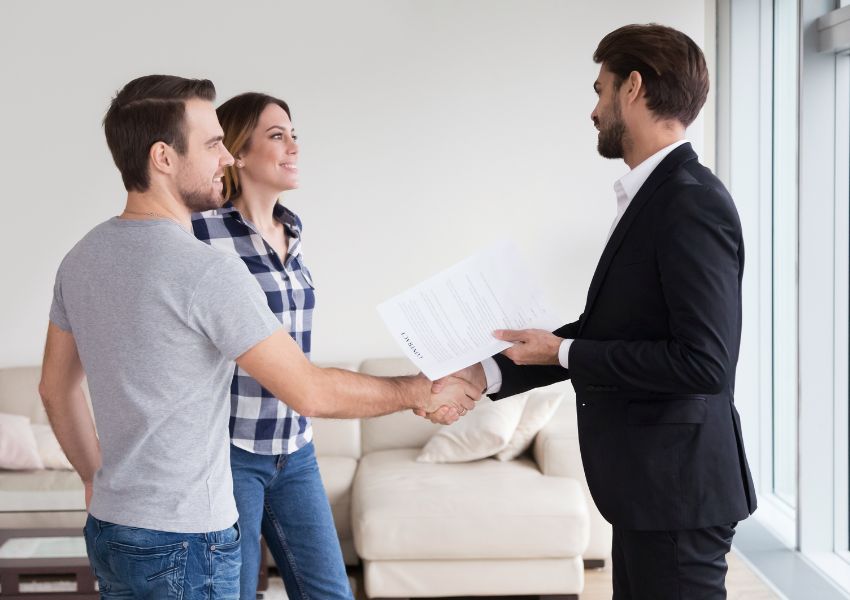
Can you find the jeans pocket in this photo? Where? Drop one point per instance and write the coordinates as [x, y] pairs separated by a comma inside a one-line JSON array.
[[150, 572], [230, 538], [226, 560]]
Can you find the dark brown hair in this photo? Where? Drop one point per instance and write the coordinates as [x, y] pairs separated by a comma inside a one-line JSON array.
[[239, 117], [147, 110], [672, 66]]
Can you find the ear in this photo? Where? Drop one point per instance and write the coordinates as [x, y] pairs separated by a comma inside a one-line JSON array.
[[632, 87], [161, 158]]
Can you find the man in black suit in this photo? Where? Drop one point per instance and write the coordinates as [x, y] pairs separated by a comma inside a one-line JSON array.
[[653, 356]]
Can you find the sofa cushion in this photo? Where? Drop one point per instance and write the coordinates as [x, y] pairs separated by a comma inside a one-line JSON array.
[[18, 448], [405, 510], [539, 410], [19, 393], [337, 476], [336, 437], [49, 449], [482, 433], [398, 430]]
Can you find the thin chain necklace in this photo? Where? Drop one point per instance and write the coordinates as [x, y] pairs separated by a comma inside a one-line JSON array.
[[151, 214]]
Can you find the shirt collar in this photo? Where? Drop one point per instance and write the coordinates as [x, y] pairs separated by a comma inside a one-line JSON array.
[[629, 184], [280, 212]]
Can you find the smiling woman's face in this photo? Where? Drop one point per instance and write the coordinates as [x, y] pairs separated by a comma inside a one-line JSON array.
[[271, 160]]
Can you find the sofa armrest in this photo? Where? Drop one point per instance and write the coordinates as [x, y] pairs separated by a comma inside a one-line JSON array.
[[557, 453]]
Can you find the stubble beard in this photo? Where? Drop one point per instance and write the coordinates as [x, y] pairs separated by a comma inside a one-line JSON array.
[[197, 199], [611, 135]]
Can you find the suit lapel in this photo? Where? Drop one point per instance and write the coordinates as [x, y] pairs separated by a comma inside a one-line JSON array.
[[670, 163]]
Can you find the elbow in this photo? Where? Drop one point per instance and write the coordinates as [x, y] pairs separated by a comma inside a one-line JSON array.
[[307, 397], [309, 409], [302, 403], [45, 392], [710, 375]]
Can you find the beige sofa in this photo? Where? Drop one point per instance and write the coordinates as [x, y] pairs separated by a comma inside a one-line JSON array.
[[486, 528]]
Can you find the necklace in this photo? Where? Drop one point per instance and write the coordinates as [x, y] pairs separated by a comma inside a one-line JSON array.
[[148, 213], [152, 214]]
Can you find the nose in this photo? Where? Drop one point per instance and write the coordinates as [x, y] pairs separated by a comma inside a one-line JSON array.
[[226, 157], [292, 147], [593, 115]]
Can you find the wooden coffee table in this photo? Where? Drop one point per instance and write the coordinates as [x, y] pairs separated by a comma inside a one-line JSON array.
[[39, 552]]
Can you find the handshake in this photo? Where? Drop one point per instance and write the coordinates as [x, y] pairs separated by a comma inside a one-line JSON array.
[[453, 396]]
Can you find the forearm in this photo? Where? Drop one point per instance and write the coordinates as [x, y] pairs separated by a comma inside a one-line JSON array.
[[666, 366], [337, 393], [72, 423]]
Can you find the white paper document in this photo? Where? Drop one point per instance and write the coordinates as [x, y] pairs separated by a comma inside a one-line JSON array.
[[446, 322]]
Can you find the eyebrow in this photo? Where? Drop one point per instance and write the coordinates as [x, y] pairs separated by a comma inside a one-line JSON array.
[[215, 139], [278, 127]]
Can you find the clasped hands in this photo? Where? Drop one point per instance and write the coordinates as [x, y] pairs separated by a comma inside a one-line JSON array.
[[453, 396]]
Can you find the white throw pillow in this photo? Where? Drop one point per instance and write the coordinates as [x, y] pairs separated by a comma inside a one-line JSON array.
[[539, 410], [49, 449], [481, 433], [18, 449]]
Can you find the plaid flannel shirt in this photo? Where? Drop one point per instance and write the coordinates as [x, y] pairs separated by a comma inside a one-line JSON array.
[[259, 422]]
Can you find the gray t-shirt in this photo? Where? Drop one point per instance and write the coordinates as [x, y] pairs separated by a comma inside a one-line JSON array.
[[158, 318]]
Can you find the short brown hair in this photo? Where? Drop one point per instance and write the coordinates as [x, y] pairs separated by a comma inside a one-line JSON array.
[[147, 110], [239, 117], [672, 66]]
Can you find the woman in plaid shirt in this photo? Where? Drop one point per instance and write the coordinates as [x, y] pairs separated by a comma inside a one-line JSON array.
[[276, 479]]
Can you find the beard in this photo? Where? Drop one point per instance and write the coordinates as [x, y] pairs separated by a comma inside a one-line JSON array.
[[199, 198], [612, 131], [198, 201]]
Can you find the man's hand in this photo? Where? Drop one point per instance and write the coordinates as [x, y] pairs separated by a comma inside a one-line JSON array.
[[455, 393], [531, 346], [442, 416], [473, 375]]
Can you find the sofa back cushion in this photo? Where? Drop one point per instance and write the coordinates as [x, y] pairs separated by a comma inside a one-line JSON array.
[[19, 393], [398, 430], [337, 437]]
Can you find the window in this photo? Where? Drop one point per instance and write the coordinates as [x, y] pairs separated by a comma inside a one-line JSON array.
[[785, 148], [784, 253]]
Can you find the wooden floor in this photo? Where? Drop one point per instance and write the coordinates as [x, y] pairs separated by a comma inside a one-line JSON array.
[[741, 584]]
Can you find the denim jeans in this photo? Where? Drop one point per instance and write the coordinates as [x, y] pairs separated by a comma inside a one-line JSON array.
[[283, 495], [130, 562]]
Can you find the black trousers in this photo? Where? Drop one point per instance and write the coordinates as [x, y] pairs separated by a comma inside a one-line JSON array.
[[671, 565]]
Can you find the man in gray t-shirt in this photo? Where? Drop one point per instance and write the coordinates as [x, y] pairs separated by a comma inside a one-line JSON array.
[[155, 318], [178, 317]]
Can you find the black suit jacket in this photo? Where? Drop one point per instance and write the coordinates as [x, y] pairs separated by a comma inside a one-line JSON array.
[[654, 357]]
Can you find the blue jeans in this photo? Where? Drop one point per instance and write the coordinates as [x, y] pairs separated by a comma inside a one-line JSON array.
[[130, 562], [283, 495]]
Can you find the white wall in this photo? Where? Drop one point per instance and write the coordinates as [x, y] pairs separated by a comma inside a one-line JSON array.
[[428, 130]]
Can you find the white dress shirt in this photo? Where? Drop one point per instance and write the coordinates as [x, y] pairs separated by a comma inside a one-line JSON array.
[[625, 188]]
